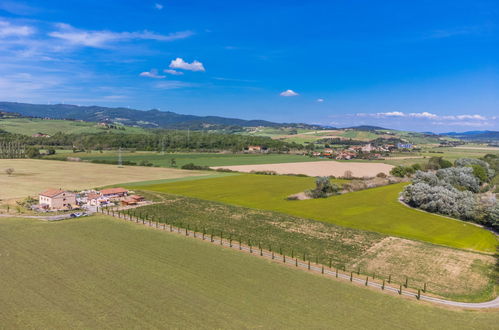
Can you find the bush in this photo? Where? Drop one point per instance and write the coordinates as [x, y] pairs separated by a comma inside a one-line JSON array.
[[462, 162], [32, 152], [480, 173], [192, 166], [402, 171], [441, 199], [381, 175], [436, 163], [323, 188], [460, 177]]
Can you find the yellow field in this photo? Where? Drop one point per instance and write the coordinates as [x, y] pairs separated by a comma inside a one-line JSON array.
[[33, 176]]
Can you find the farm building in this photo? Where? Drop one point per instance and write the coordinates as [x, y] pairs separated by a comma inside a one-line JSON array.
[[114, 192], [57, 199], [96, 199], [132, 200], [255, 149]]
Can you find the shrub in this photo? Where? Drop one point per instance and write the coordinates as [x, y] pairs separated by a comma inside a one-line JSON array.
[[192, 166], [462, 162], [32, 152], [381, 175], [480, 173], [323, 188], [402, 171], [436, 163], [441, 199], [9, 171], [460, 177]]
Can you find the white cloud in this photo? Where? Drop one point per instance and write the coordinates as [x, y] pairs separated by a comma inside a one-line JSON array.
[[179, 63], [9, 30], [423, 115], [173, 72], [391, 114], [102, 39], [152, 74], [173, 84], [320, 100], [288, 92], [158, 6]]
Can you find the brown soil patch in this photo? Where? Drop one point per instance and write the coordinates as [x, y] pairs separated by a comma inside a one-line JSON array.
[[447, 271], [321, 168]]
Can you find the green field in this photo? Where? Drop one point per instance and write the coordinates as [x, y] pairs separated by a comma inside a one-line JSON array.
[[204, 159], [101, 273], [30, 126], [374, 209], [367, 252]]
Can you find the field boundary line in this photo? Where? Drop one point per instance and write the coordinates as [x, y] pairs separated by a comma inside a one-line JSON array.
[[309, 266]]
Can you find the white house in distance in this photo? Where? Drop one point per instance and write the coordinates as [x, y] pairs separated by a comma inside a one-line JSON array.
[[57, 199]]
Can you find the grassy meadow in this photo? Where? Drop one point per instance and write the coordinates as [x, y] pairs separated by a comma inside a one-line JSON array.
[[203, 159], [33, 176], [102, 273], [471, 278], [30, 126], [374, 209]]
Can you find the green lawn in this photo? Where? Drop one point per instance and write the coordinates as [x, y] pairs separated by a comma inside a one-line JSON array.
[[101, 273], [205, 159], [30, 126], [375, 209]]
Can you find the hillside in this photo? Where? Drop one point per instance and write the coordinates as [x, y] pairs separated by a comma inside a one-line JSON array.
[[31, 126], [482, 136], [131, 117]]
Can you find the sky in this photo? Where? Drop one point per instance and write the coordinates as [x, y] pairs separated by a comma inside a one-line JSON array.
[[414, 65]]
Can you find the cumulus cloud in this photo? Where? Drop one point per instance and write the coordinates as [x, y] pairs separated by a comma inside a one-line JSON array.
[[10, 30], [173, 72], [179, 63], [152, 74], [288, 92], [103, 38], [320, 100], [158, 6]]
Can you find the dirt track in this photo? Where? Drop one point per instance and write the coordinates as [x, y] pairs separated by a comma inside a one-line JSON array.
[[317, 168]]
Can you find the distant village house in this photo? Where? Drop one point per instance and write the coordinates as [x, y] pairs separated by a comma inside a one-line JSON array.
[[114, 192]]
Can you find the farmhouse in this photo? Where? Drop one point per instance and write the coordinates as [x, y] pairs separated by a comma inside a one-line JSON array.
[[114, 192], [255, 149], [57, 199]]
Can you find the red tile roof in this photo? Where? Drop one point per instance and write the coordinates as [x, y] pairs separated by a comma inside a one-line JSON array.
[[52, 192]]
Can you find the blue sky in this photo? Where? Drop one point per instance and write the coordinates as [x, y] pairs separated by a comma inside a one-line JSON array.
[[418, 65]]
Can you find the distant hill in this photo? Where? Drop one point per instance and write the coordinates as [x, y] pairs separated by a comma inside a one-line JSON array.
[[131, 117], [365, 128], [485, 136]]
